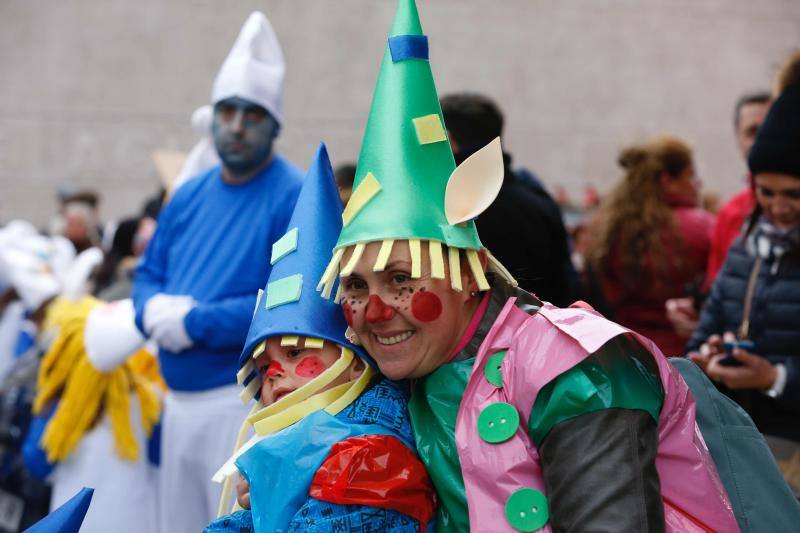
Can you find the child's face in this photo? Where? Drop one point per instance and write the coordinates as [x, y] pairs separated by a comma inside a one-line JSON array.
[[285, 369]]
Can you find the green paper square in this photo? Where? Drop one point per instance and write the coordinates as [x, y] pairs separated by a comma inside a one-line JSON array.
[[283, 291], [284, 246]]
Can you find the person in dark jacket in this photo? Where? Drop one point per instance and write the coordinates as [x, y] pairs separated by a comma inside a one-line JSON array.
[[756, 296], [537, 251]]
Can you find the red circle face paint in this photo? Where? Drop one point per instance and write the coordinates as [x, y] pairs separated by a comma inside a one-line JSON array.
[[426, 306], [348, 314], [310, 367]]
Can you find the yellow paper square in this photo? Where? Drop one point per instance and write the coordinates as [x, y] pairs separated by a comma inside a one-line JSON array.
[[331, 270], [416, 257], [383, 255], [477, 270], [454, 261], [250, 391], [429, 129], [338, 296], [313, 342], [289, 340], [437, 261], [258, 350], [368, 188], [358, 250], [243, 372]]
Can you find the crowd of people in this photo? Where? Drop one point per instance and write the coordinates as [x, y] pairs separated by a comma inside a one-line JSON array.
[[420, 341]]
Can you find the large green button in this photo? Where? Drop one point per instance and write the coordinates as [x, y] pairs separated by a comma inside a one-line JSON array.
[[498, 422], [526, 510], [492, 369]]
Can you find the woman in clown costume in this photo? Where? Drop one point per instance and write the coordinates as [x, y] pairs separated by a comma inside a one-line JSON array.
[[333, 448], [528, 417]]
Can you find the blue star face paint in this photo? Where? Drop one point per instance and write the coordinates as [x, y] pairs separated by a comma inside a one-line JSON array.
[[243, 134]]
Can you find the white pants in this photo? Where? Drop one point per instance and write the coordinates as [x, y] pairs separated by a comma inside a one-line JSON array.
[[124, 491], [11, 321], [198, 434]]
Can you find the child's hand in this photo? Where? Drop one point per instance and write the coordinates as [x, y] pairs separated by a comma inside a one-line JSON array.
[[243, 493]]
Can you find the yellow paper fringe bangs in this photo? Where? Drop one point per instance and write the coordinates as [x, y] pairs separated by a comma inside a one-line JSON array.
[[436, 263]]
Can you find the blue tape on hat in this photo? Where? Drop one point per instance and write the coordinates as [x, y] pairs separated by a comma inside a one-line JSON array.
[[408, 47]]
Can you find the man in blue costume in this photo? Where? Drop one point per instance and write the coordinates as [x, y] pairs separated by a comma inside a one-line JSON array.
[[195, 288], [333, 449]]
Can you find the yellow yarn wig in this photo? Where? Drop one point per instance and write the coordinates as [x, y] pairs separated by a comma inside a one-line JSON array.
[[84, 393]]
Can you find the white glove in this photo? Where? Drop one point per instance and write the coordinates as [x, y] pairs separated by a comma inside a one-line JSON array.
[[110, 336], [165, 321], [159, 306]]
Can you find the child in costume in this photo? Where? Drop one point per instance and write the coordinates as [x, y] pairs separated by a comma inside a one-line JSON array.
[[528, 417], [333, 448], [97, 402]]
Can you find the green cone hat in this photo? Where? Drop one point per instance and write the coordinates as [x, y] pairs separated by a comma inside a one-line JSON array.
[[407, 187]]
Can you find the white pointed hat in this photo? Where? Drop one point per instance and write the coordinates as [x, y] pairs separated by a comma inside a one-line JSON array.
[[254, 68]]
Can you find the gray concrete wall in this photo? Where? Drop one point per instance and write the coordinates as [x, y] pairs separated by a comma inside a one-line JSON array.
[[88, 88]]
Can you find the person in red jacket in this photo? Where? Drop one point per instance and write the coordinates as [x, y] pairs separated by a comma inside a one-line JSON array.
[[750, 111], [652, 240]]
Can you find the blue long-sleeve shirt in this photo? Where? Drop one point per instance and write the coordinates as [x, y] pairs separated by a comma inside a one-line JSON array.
[[212, 243]]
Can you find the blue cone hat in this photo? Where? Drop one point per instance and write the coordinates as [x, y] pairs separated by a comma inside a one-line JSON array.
[[290, 304], [67, 518]]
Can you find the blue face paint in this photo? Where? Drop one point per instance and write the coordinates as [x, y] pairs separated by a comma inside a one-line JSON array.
[[243, 134]]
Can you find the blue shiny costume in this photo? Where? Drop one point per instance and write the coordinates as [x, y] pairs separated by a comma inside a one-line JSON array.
[[382, 409]]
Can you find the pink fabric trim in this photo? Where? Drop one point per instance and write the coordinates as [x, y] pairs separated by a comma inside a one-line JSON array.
[[472, 327], [541, 347]]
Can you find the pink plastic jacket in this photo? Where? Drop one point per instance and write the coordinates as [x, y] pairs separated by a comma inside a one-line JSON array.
[[539, 348]]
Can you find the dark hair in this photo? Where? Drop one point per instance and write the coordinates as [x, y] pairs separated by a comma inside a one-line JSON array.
[[121, 247], [345, 174], [152, 206], [87, 196], [473, 120], [760, 97]]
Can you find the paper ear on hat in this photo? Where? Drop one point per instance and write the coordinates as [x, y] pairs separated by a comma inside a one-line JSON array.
[[474, 184]]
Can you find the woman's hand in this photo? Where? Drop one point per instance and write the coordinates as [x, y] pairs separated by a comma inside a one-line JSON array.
[[713, 347], [756, 372], [682, 315], [243, 493]]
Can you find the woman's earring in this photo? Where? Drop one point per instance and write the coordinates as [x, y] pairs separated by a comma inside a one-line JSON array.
[[351, 336], [473, 294]]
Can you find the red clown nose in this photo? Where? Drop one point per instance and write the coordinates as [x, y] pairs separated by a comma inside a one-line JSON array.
[[274, 369], [377, 311]]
